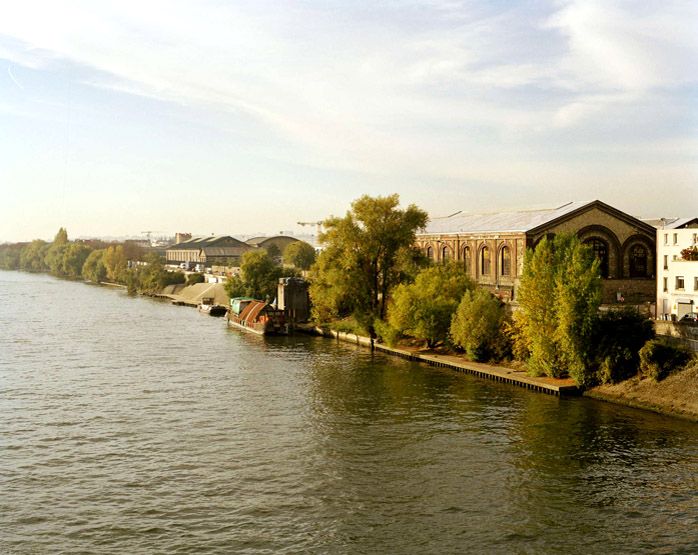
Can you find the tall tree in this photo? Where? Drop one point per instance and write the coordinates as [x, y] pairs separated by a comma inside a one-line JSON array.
[[361, 260], [300, 254], [93, 269], [424, 309], [559, 296], [259, 277], [115, 263]]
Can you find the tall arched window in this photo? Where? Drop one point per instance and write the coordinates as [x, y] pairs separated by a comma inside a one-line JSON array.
[[484, 261], [430, 253], [638, 261], [505, 261], [466, 259], [600, 249], [445, 254]]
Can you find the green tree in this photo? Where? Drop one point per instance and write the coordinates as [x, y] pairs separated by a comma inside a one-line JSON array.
[[259, 277], [94, 269], [300, 254], [424, 309], [361, 261], [32, 258], [115, 263], [10, 255], [74, 257], [559, 296], [478, 326]]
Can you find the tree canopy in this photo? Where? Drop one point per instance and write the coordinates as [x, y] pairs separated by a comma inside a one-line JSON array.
[[477, 326], [259, 277], [424, 309], [559, 297], [300, 254], [365, 254]]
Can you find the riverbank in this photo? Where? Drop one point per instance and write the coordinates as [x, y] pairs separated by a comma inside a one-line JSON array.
[[515, 376], [676, 395]]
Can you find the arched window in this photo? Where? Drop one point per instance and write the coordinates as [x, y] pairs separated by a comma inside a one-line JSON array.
[[638, 261], [600, 249], [484, 261], [505, 261], [445, 254], [466, 259], [430, 253]]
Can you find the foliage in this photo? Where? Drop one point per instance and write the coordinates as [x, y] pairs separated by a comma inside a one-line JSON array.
[[274, 252], [259, 277], [74, 257], [478, 326], [559, 296], [10, 256], [690, 253], [363, 258], [659, 359], [300, 254], [115, 263], [94, 269], [32, 258], [386, 333], [153, 277], [195, 278], [423, 309], [617, 338]]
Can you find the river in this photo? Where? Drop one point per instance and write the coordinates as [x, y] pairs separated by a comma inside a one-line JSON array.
[[129, 425]]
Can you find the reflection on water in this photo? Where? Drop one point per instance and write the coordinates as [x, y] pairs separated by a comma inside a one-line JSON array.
[[129, 425]]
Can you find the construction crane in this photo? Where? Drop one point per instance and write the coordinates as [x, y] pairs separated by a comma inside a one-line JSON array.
[[148, 233], [318, 225]]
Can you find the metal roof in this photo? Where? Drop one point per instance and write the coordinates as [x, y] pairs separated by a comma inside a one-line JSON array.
[[676, 223], [202, 242], [520, 221]]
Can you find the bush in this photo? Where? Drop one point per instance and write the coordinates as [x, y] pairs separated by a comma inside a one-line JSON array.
[[477, 326], [659, 359], [386, 333], [195, 278], [617, 338]]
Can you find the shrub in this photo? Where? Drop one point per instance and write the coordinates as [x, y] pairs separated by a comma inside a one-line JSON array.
[[617, 338], [659, 359], [386, 333], [195, 278], [424, 309], [477, 326]]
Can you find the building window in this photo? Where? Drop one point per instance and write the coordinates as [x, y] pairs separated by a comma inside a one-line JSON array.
[[666, 284], [430, 253], [445, 254], [676, 238], [679, 283], [505, 261], [466, 259], [666, 238], [638, 261], [600, 249], [666, 261], [484, 261], [695, 283]]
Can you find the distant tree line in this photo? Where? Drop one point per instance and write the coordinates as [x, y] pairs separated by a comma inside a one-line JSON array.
[[95, 261]]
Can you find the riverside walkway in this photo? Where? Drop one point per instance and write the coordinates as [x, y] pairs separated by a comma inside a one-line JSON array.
[[551, 386]]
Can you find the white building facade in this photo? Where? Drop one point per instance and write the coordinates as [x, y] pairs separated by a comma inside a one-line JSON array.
[[677, 277]]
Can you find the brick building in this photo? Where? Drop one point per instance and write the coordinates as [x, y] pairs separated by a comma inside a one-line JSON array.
[[492, 246]]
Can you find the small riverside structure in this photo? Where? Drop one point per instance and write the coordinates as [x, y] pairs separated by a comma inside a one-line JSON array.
[[550, 386]]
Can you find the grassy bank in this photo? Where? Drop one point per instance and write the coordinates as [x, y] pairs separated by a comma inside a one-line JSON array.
[[677, 395]]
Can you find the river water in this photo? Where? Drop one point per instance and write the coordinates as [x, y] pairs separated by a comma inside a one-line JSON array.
[[128, 425]]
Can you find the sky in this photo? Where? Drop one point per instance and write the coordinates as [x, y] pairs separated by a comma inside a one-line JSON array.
[[247, 117]]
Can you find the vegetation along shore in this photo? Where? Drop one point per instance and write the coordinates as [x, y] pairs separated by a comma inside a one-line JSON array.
[[370, 279]]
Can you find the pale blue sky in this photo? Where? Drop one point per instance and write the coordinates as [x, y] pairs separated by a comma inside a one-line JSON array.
[[244, 117]]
